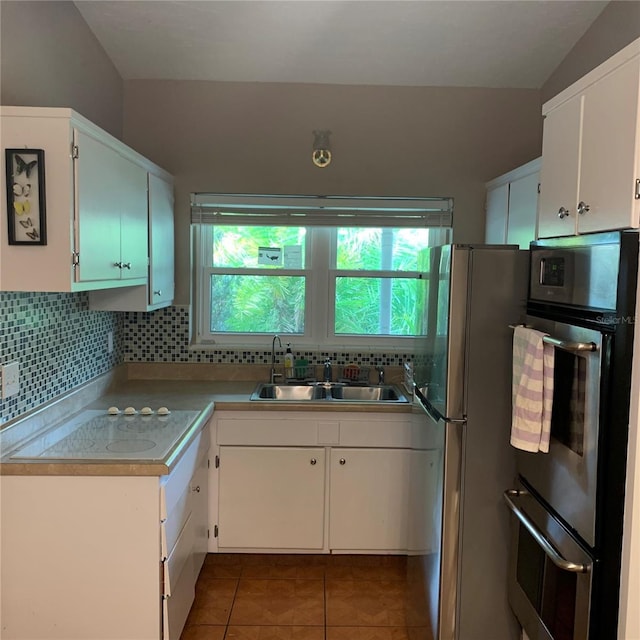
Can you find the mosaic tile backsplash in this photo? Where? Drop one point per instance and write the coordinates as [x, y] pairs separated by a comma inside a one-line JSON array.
[[58, 342], [61, 344], [163, 336]]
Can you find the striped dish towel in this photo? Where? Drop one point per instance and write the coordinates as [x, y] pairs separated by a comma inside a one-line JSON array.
[[532, 390]]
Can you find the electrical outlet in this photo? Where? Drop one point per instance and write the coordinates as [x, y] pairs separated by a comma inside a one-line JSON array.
[[110, 342], [10, 379]]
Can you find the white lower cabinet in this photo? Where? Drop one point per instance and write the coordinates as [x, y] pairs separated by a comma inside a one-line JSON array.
[[184, 515], [101, 557], [313, 482], [271, 497], [368, 502]]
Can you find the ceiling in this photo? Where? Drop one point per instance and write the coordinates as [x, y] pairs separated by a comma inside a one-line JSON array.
[[481, 43]]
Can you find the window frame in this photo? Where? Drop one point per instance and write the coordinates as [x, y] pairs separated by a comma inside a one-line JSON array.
[[320, 285]]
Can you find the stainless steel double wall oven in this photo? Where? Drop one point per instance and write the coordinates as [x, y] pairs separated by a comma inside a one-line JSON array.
[[568, 504]]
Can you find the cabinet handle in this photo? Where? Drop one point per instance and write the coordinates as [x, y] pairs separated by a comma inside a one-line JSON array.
[[343, 461], [563, 213], [118, 264], [158, 292], [126, 265], [583, 207], [196, 489], [313, 461]]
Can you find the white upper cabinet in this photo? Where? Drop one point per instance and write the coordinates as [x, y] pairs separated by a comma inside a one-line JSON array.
[[158, 290], [512, 206], [161, 252], [96, 206], [591, 151], [111, 193]]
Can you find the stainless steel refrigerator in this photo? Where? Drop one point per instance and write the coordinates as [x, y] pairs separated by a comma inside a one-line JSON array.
[[462, 375]]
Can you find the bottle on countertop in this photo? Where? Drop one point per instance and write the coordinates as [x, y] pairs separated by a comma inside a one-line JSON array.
[[288, 362]]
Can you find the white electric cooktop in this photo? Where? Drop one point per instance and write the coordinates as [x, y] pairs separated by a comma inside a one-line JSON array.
[[96, 435]]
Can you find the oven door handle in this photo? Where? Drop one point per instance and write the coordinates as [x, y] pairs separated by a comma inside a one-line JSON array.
[[566, 345], [539, 537]]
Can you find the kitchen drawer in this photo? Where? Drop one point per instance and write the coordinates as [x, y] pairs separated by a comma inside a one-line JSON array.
[[178, 605], [174, 485], [294, 432], [393, 433], [180, 556], [175, 520]]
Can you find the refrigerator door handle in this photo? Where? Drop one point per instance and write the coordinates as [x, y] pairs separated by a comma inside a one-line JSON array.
[[433, 412]]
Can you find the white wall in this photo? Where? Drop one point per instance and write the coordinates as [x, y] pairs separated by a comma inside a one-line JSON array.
[[50, 58]]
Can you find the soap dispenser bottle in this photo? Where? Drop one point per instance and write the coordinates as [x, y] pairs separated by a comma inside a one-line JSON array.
[[288, 362]]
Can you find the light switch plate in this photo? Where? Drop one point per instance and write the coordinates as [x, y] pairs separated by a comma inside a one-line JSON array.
[[10, 379]]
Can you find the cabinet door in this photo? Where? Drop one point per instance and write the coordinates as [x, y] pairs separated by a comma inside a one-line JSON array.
[[369, 499], [559, 170], [132, 193], [97, 211], [161, 268], [523, 210], [610, 155], [497, 212], [111, 213], [271, 498]]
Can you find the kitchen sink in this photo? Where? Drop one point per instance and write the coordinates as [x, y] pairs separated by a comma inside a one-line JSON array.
[[328, 392], [296, 393], [378, 393]]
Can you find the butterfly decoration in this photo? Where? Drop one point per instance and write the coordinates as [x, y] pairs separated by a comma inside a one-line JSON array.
[[21, 189], [22, 207], [25, 167], [25, 191]]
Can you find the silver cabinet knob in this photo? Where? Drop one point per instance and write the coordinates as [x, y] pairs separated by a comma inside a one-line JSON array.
[[126, 265], [583, 207], [343, 461], [563, 213], [196, 489], [313, 461], [118, 264], [158, 292]]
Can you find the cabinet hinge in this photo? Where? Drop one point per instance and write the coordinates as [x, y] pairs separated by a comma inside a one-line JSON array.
[[75, 259], [217, 461], [75, 152], [538, 188], [638, 189], [215, 531]]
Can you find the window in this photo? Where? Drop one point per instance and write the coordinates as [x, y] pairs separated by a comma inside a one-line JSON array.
[[322, 285]]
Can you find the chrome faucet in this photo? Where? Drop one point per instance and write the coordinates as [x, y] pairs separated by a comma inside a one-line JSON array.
[[327, 371], [274, 375]]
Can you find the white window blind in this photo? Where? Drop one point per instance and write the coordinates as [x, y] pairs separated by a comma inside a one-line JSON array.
[[321, 211]]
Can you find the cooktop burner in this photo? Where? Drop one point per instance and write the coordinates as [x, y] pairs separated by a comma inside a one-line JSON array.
[[95, 435]]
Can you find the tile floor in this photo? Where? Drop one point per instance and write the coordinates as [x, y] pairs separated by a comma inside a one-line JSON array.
[[301, 597]]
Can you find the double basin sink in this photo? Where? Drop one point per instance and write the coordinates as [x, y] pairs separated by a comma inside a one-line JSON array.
[[328, 392]]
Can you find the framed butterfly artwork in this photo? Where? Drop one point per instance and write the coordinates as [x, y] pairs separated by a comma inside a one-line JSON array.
[[26, 213]]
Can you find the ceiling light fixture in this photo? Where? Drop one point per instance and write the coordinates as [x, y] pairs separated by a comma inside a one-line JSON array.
[[321, 155]]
